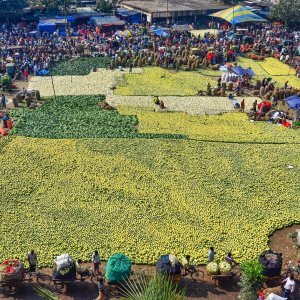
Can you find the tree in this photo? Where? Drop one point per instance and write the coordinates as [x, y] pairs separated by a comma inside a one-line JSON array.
[[288, 11], [53, 4], [11, 7], [107, 6], [251, 280]]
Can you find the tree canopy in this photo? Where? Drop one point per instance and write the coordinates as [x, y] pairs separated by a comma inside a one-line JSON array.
[[107, 6], [288, 11], [11, 7]]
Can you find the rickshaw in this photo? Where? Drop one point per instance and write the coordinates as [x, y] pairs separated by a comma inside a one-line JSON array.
[[11, 276]]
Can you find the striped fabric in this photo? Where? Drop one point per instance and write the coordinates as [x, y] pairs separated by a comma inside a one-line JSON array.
[[238, 14]]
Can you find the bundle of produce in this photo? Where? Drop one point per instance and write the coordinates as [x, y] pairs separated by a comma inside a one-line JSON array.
[[272, 263], [167, 265], [195, 51], [118, 268], [63, 261], [225, 268], [64, 268], [213, 268], [11, 270]]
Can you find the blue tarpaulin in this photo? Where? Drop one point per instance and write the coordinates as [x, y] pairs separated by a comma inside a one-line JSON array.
[[160, 32], [241, 71], [42, 73], [293, 102], [47, 27]]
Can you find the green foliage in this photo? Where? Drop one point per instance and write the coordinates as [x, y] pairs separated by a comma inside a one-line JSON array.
[[6, 82], [251, 280], [11, 7], [107, 6], [288, 11], [53, 4], [45, 293], [152, 288], [79, 66], [76, 117]]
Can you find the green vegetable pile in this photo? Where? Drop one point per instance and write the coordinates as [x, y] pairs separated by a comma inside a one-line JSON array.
[[79, 66], [213, 268], [77, 117], [225, 267]]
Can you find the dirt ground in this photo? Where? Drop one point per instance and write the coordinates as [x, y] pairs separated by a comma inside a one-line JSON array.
[[202, 289]]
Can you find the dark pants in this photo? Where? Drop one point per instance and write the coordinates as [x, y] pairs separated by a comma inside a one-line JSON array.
[[286, 293], [32, 268], [96, 267]]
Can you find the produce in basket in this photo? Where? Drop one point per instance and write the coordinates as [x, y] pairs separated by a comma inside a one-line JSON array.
[[212, 268], [224, 267]]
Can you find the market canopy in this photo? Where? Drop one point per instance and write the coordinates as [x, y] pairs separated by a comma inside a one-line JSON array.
[[241, 71], [238, 14], [160, 32], [293, 102]]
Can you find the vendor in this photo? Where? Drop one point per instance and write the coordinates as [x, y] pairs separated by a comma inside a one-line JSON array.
[[229, 259], [289, 286]]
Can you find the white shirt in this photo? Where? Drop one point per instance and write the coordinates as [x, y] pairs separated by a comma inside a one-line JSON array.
[[32, 258], [95, 258], [290, 284]]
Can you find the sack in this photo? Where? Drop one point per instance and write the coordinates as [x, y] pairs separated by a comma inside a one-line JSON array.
[[63, 256], [164, 266], [11, 270], [62, 264], [118, 268], [275, 297], [63, 261]]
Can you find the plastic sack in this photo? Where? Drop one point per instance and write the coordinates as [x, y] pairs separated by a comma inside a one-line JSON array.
[[118, 268], [63, 256], [62, 263], [275, 297], [164, 266]]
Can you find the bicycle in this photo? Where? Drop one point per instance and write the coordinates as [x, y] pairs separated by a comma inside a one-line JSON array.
[[92, 276], [295, 270], [194, 271], [39, 277]]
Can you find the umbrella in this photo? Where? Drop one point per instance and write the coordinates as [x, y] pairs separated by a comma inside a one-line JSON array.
[[119, 33], [127, 33], [238, 14]]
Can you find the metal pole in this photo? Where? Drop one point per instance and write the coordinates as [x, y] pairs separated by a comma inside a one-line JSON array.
[[167, 13], [67, 35], [53, 87]]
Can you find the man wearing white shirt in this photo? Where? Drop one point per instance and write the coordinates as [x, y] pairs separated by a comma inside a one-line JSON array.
[[289, 286]]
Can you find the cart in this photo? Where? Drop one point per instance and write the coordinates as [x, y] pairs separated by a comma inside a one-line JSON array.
[[11, 287], [12, 276], [223, 277]]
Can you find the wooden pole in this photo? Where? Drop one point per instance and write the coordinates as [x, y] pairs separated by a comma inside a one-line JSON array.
[[53, 87]]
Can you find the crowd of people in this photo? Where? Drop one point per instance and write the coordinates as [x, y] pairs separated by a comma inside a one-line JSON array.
[[32, 52]]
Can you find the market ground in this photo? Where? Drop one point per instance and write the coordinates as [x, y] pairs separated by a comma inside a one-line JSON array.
[[204, 289]]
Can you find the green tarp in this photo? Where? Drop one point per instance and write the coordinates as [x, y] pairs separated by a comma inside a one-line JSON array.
[[118, 268]]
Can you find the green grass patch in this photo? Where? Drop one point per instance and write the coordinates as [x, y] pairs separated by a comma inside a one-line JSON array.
[[77, 117], [79, 66]]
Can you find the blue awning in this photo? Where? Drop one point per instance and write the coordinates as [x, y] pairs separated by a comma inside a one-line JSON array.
[[293, 102]]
